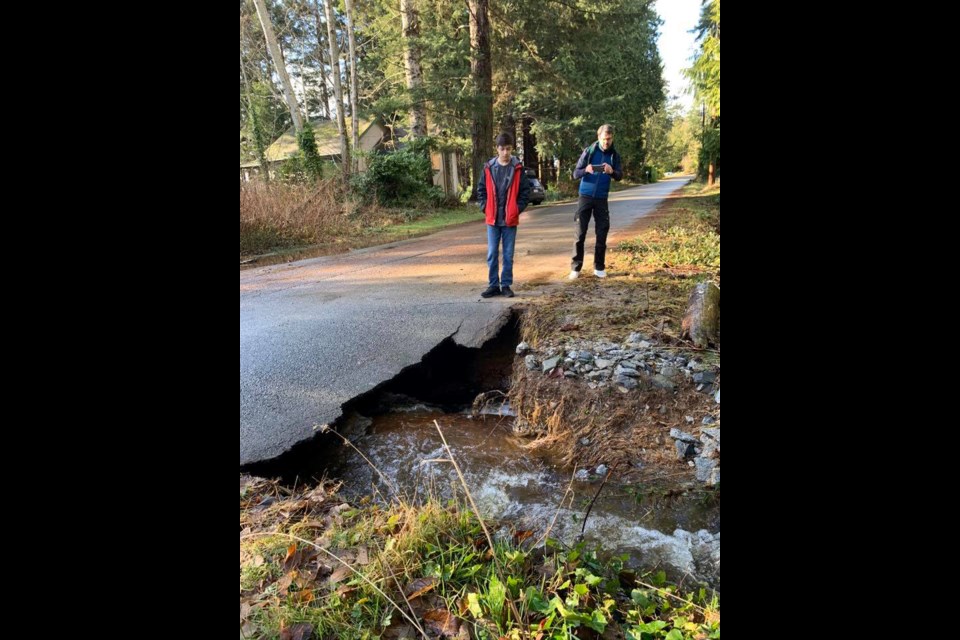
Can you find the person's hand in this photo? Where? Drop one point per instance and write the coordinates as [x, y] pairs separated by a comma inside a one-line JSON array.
[[607, 169], [589, 169]]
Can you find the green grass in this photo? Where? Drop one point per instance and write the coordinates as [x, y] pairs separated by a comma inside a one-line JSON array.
[[686, 243], [434, 221], [432, 565]]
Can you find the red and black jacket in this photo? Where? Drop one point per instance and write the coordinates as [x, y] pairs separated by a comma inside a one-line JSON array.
[[518, 194]]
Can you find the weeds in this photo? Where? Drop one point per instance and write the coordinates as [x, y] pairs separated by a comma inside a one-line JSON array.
[[311, 563]]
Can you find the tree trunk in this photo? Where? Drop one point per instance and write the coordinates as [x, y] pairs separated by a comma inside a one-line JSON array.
[[255, 127], [277, 57], [354, 113], [324, 79], [702, 320], [530, 156], [482, 77], [410, 21], [509, 125], [337, 91]]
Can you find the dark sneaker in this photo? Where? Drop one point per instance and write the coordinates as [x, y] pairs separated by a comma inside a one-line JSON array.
[[506, 291], [490, 292]]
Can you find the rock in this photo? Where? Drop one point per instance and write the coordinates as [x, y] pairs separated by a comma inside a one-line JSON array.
[[705, 377], [551, 364], [705, 468], [714, 478], [709, 449], [663, 383], [625, 372], [712, 433], [683, 436]]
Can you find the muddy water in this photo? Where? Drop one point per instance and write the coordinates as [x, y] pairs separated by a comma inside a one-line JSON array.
[[511, 484]]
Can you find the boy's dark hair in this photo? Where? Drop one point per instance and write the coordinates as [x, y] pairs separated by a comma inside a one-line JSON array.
[[504, 140]]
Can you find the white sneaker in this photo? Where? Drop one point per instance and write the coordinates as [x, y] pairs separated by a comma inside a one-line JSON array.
[[600, 274], [574, 275]]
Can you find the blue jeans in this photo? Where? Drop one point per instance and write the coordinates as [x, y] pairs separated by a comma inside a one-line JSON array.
[[508, 235]]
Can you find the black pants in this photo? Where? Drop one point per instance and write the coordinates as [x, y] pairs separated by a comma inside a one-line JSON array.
[[599, 209]]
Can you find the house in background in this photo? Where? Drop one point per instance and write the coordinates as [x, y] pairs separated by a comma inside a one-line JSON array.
[[375, 137], [328, 145]]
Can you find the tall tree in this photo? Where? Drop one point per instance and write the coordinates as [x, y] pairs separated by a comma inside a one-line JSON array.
[[262, 105], [410, 22], [705, 72], [324, 79], [337, 91], [482, 81], [279, 64], [705, 77], [354, 112], [529, 144], [259, 137]]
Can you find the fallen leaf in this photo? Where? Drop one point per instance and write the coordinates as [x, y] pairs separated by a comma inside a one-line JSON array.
[[443, 622], [283, 584], [305, 596], [345, 590], [520, 536], [301, 631], [318, 495], [400, 630], [419, 587], [338, 575], [291, 555], [363, 556], [245, 611]]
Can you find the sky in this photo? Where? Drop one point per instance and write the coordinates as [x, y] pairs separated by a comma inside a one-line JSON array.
[[677, 44]]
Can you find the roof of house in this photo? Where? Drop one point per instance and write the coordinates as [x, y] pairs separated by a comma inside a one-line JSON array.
[[325, 131]]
